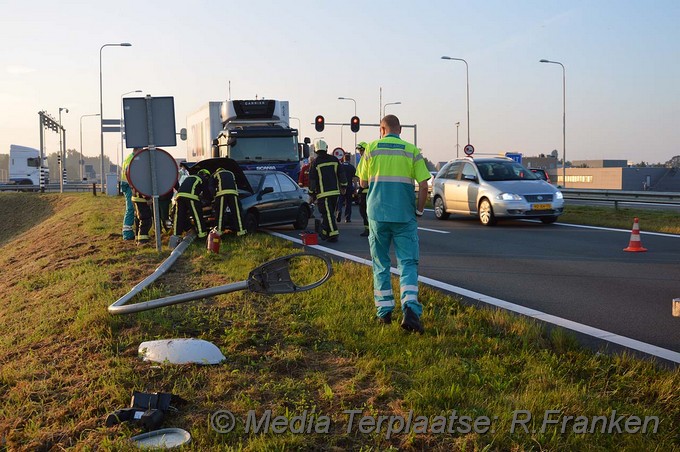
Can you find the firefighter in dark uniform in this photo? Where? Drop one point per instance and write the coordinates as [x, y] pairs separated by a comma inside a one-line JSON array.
[[226, 196], [143, 216], [326, 183], [189, 203]]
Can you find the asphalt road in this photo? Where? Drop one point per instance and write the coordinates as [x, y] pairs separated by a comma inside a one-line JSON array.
[[576, 273]]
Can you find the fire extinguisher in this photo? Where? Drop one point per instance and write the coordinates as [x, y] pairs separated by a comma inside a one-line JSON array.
[[214, 242]]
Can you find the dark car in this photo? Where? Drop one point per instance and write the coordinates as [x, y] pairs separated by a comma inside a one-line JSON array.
[[541, 173], [275, 200], [268, 197]]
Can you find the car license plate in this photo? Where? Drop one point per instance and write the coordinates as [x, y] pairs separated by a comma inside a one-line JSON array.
[[542, 207]]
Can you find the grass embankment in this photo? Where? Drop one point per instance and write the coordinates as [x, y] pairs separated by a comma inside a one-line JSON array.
[[66, 363]]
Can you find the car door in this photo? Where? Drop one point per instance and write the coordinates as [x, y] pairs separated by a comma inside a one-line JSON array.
[[450, 183], [466, 189], [269, 205], [291, 197]]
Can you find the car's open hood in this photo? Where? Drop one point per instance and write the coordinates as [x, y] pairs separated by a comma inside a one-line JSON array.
[[228, 164]]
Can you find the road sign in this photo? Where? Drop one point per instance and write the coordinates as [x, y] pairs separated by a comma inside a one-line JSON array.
[[136, 118], [516, 156], [339, 153], [469, 149], [139, 172]]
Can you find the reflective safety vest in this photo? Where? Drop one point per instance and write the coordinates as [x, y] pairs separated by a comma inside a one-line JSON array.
[[124, 167], [191, 188], [390, 165], [325, 179], [226, 183]]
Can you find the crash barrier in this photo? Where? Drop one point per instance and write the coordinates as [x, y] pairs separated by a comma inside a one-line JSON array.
[[74, 187], [270, 278], [618, 196]]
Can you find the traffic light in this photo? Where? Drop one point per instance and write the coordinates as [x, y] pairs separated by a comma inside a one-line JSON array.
[[354, 124], [319, 123]]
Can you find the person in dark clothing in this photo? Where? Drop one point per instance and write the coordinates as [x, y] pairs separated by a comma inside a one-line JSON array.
[[189, 203], [346, 198], [143, 216], [225, 196], [326, 183], [361, 147]]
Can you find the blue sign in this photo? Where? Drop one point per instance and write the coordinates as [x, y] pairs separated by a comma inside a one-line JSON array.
[[516, 156]]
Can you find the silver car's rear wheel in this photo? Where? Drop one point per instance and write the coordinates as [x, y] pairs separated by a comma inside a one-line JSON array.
[[439, 209], [486, 216]]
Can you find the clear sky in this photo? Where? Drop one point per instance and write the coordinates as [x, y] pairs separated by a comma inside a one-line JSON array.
[[622, 61]]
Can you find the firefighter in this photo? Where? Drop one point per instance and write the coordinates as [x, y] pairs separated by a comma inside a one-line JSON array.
[[326, 183], [361, 147], [143, 216], [346, 198], [226, 196], [391, 165], [189, 203]]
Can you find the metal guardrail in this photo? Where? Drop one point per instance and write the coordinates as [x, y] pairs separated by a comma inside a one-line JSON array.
[[52, 188], [618, 196]]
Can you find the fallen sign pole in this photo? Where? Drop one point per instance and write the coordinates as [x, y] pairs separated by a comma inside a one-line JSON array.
[[270, 278]]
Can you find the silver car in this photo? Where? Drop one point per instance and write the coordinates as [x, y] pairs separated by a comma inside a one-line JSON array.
[[494, 188]]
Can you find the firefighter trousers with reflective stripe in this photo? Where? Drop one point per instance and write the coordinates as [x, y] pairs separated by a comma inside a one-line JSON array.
[[327, 206], [231, 220], [405, 239], [186, 208], [129, 217], [143, 219]]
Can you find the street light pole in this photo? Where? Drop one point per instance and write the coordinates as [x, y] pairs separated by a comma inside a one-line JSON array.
[[355, 113], [101, 109], [457, 145], [81, 143], [122, 147], [385, 106], [62, 153], [564, 121], [467, 84]]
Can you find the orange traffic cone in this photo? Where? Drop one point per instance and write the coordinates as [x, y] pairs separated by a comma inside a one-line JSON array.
[[635, 245]]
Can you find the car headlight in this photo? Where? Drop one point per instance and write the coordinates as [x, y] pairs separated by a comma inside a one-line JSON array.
[[509, 197], [559, 195]]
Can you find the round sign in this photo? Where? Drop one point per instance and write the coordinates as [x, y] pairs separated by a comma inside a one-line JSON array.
[[469, 149], [339, 153], [139, 172]]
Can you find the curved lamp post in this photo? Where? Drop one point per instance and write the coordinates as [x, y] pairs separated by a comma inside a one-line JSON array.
[[467, 84], [564, 121], [101, 109], [389, 103]]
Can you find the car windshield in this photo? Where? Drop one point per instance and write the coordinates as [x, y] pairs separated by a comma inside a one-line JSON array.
[[498, 171], [254, 180]]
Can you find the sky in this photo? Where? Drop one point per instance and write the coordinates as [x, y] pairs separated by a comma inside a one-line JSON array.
[[621, 59]]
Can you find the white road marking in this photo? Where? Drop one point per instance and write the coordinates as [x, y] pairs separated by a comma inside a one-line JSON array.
[[435, 230], [633, 344]]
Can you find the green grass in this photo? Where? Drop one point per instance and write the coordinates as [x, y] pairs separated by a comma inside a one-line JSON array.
[[66, 363]]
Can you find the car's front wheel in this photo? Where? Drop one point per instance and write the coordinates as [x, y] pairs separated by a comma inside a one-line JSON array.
[[439, 209], [302, 218], [251, 222], [486, 216]]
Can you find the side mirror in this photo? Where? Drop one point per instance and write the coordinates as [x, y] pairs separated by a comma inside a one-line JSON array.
[[183, 134], [469, 177], [231, 141], [264, 191]]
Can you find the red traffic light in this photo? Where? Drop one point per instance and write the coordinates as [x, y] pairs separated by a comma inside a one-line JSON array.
[[319, 123], [354, 124]]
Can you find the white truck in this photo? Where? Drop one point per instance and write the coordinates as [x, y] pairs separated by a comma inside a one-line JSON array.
[[254, 133], [27, 168]]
